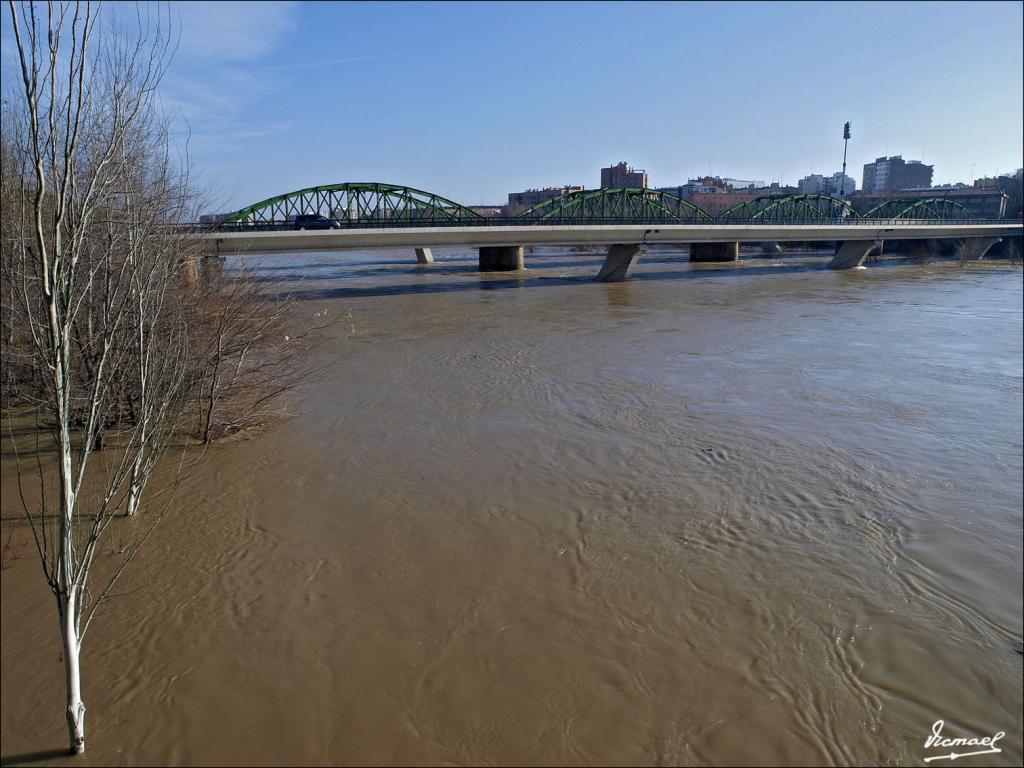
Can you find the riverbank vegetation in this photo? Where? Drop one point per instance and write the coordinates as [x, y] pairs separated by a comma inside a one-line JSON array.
[[119, 352]]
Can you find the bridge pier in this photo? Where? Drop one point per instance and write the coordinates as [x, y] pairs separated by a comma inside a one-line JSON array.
[[851, 253], [424, 256], [190, 271], [618, 263], [975, 248], [714, 252], [213, 268], [501, 258]]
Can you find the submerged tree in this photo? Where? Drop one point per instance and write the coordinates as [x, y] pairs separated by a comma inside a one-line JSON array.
[[109, 336], [91, 263], [247, 352]]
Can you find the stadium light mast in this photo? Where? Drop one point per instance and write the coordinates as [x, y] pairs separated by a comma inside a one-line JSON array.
[[846, 140]]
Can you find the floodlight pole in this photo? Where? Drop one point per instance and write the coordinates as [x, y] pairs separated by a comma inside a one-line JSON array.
[[846, 140]]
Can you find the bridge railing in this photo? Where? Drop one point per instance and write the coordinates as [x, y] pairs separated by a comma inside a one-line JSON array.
[[515, 221]]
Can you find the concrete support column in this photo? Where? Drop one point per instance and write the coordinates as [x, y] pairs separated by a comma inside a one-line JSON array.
[[714, 251], [190, 271], [501, 258], [851, 254], [424, 256], [972, 248], [213, 268], [618, 263]]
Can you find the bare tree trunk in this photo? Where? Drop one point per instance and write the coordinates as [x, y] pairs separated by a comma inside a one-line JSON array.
[[68, 611], [116, 348], [132, 505], [89, 245]]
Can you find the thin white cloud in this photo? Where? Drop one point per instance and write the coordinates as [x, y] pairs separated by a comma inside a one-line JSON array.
[[233, 31], [217, 75], [231, 59], [222, 93], [324, 62]]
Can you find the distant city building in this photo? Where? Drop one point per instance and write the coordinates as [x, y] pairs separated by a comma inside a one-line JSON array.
[[738, 184], [707, 185], [717, 202], [488, 210], [209, 219], [775, 188], [703, 186], [520, 201], [1010, 184], [888, 174], [840, 183], [816, 184], [622, 175], [715, 195], [682, 191]]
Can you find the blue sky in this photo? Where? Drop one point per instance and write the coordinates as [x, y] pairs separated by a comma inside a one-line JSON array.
[[473, 101]]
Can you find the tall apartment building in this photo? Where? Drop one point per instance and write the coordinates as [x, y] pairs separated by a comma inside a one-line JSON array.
[[888, 174], [841, 183], [813, 184], [623, 175], [706, 185], [816, 184], [520, 201]]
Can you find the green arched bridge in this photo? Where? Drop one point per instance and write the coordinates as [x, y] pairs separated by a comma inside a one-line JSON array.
[[359, 215], [376, 204]]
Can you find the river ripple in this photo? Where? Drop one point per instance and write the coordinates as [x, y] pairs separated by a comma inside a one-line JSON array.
[[709, 516]]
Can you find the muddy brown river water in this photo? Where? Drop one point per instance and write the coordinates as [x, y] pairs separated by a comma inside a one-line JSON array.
[[710, 516]]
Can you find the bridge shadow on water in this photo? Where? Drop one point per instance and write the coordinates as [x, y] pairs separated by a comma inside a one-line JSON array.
[[524, 280], [397, 267]]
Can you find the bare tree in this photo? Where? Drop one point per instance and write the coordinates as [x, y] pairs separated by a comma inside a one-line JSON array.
[[90, 263], [247, 353]]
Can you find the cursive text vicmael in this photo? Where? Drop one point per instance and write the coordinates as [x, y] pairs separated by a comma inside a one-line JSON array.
[[938, 740]]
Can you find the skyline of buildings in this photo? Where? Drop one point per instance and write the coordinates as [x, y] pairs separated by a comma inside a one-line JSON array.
[[884, 178], [987, 197], [884, 174]]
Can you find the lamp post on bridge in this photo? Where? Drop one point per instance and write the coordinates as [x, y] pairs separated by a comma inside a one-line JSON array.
[[842, 179]]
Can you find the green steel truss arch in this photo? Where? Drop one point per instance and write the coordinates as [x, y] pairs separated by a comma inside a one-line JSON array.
[[356, 203], [640, 206], [917, 208], [790, 208]]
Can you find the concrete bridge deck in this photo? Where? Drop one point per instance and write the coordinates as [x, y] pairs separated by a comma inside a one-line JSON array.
[[501, 246], [279, 241]]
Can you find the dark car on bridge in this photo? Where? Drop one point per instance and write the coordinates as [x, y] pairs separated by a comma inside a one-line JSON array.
[[315, 221]]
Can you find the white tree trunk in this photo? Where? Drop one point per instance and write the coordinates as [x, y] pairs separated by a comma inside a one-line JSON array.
[[73, 677], [88, 172], [133, 489]]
